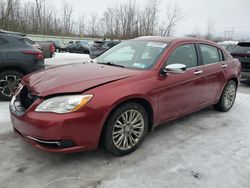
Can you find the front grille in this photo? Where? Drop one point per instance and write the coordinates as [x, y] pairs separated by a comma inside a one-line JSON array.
[[26, 98]]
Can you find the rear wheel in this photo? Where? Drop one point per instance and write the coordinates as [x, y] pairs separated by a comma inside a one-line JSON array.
[[126, 129], [228, 97], [9, 81]]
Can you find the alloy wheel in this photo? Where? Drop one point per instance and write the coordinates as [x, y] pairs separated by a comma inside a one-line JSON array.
[[229, 96], [128, 129], [9, 84]]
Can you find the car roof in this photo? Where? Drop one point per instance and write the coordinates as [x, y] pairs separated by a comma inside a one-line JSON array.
[[12, 33], [247, 44], [173, 39]]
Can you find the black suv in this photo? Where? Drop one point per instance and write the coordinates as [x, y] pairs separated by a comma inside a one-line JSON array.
[[18, 57], [99, 47], [242, 53]]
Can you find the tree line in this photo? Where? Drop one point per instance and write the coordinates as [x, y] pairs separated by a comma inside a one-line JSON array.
[[123, 21]]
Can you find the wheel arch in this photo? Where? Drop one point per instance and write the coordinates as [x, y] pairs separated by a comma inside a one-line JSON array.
[[140, 100], [14, 68], [235, 79]]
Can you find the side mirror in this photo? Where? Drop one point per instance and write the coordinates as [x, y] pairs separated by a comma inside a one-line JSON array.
[[174, 69]]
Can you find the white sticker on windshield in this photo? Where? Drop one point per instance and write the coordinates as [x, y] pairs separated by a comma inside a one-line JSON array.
[[137, 65], [156, 44]]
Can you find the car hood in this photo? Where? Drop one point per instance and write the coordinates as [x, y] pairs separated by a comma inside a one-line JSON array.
[[74, 78]]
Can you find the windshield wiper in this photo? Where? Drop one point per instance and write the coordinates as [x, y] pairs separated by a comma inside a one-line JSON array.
[[111, 64]]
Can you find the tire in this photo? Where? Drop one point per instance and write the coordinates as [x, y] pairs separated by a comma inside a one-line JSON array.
[[9, 81], [227, 98], [116, 129]]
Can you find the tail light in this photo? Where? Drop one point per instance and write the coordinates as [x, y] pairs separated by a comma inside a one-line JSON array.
[[52, 48], [38, 55]]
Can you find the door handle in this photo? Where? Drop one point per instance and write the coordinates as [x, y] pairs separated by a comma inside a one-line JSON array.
[[198, 72], [223, 66]]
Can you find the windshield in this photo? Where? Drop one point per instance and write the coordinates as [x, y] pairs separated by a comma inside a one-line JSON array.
[[241, 49], [133, 54]]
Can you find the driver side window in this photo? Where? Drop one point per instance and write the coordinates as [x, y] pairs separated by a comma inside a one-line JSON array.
[[184, 54]]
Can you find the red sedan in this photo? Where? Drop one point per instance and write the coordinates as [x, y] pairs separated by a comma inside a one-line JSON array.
[[123, 94]]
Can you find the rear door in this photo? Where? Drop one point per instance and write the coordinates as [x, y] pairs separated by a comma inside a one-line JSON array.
[[214, 69], [181, 93]]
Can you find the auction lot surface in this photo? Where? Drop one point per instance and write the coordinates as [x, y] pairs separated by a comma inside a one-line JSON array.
[[205, 149]]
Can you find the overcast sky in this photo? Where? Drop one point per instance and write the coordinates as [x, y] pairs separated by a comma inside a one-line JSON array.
[[227, 14]]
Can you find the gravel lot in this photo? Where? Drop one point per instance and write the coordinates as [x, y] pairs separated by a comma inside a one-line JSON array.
[[205, 149]]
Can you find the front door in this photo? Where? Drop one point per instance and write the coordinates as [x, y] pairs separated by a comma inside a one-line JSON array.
[[180, 94]]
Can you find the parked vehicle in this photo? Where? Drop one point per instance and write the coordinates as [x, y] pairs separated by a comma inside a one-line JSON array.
[[228, 45], [70, 45], [48, 48], [79, 47], [242, 53], [59, 46], [18, 57], [99, 47], [127, 91]]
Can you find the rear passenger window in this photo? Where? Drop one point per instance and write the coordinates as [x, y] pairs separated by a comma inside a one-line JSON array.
[[210, 54], [185, 54], [27, 41]]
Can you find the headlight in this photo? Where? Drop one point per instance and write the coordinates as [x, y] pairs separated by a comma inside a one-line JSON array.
[[64, 104]]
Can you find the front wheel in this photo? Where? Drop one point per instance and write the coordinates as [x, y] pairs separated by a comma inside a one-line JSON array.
[[227, 98], [126, 129], [9, 81]]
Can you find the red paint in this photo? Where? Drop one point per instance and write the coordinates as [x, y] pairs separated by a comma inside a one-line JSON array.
[[170, 96]]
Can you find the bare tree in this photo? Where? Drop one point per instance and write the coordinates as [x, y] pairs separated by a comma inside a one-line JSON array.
[[81, 26], [174, 15], [93, 27], [67, 19], [8, 10], [125, 20], [195, 34], [210, 29], [39, 14], [109, 21], [148, 18]]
